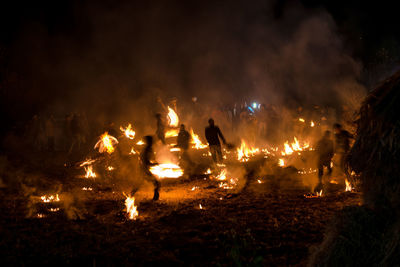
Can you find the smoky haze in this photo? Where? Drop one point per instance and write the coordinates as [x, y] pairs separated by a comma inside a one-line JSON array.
[[112, 60]]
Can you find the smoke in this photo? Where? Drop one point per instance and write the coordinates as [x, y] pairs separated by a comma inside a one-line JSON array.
[[115, 59]]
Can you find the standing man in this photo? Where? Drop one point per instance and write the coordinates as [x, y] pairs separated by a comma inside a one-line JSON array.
[[146, 161], [342, 145], [183, 143], [213, 133], [324, 150]]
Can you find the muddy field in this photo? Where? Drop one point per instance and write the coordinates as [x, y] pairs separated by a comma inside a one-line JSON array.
[[194, 223]]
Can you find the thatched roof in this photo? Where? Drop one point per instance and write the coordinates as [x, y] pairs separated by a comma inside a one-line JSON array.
[[375, 154]]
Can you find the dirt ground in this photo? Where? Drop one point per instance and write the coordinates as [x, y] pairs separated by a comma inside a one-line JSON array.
[[263, 225]]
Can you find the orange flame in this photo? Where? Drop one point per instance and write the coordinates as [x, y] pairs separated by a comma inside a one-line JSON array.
[[173, 118], [131, 209], [166, 170], [89, 172], [196, 141], [245, 152], [106, 143], [128, 132]]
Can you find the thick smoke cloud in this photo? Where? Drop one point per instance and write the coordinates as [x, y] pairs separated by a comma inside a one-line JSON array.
[[116, 58]]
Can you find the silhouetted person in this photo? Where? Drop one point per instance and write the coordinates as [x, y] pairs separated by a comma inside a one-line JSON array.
[[324, 150], [160, 132], [342, 144], [146, 161], [213, 133], [183, 143]]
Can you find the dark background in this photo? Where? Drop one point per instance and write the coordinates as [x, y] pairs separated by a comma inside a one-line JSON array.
[[62, 56]]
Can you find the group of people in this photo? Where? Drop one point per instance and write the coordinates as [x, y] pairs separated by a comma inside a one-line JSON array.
[[326, 148], [50, 134]]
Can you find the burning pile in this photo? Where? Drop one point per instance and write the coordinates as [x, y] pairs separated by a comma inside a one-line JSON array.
[[106, 143], [166, 170]]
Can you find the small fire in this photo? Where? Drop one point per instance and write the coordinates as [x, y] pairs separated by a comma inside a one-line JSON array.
[[54, 209], [221, 176], [87, 162], [208, 171], [166, 170], [140, 143], [87, 188], [131, 209], [196, 141], [106, 143], [172, 118], [200, 206], [110, 168], [171, 133], [245, 152], [294, 146], [194, 188], [316, 195], [50, 198], [312, 124], [281, 163], [133, 151], [128, 132], [89, 172], [349, 188], [301, 120], [259, 181]]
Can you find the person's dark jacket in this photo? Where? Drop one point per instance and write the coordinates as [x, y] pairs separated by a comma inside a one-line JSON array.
[[212, 134], [325, 150], [183, 139], [342, 141]]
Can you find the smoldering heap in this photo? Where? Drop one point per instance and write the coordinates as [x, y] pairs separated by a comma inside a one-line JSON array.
[[369, 235]]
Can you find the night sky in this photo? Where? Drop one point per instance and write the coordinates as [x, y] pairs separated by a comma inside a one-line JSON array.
[[57, 54]]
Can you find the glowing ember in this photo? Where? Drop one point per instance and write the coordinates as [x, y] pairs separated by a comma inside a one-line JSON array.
[[333, 181], [50, 198], [133, 151], [89, 172], [194, 188], [40, 215], [128, 132], [245, 152], [208, 171], [200, 206], [106, 143], [259, 181], [140, 143], [222, 175], [281, 162], [312, 124], [316, 195], [87, 188], [349, 188], [87, 162], [172, 133], [131, 209], [174, 149], [110, 168], [295, 146], [197, 144], [166, 170], [173, 119], [54, 209], [301, 120]]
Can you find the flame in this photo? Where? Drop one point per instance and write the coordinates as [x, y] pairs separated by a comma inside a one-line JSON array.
[[244, 152], [294, 146], [166, 170], [140, 143], [87, 162], [110, 168], [259, 181], [87, 188], [301, 120], [106, 143], [281, 163], [131, 209], [196, 141], [54, 209], [349, 188], [128, 132], [200, 206], [208, 171], [172, 118], [316, 195], [221, 176], [89, 172], [50, 198], [133, 151], [312, 124], [172, 133]]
